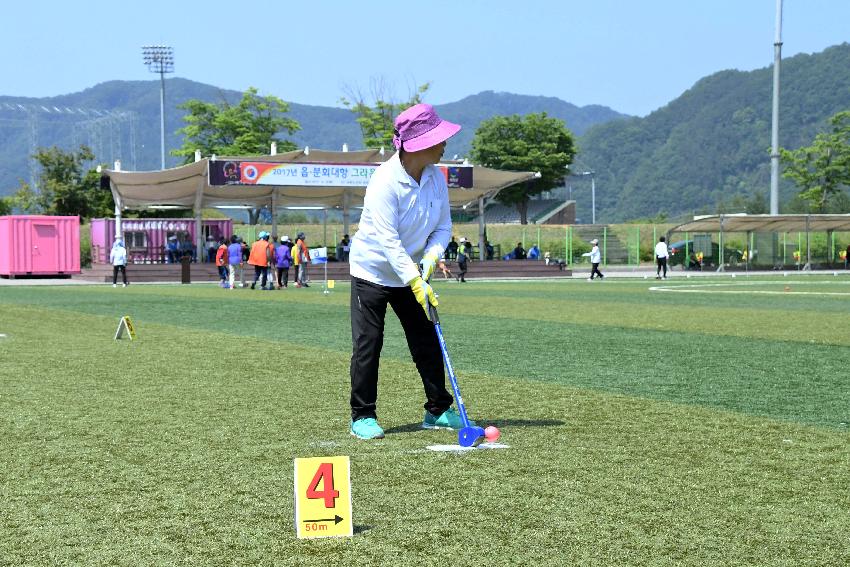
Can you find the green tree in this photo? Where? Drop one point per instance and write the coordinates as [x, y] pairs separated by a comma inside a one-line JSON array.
[[376, 120], [67, 185], [244, 129], [5, 206], [534, 142], [822, 169]]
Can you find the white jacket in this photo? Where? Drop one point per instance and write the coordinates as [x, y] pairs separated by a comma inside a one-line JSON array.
[[118, 254], [595, 255], [661, 250]]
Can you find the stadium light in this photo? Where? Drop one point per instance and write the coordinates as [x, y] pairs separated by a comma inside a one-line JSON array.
[[592, 175], [160, 59]]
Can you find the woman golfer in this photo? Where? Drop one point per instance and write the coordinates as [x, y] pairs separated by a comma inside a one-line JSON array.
[[404, 230]]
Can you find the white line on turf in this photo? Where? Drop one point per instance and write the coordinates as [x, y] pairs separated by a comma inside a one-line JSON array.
[[459, 449], [705, 288]]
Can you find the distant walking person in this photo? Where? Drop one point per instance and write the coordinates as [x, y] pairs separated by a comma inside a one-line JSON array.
[[118, 259], [661, 255], [595, 259]]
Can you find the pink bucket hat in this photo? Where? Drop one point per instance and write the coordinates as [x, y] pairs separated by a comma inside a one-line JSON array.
[[419, 127]]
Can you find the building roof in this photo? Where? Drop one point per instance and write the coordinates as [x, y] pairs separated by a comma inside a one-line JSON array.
[[188, 186], [741, 222]]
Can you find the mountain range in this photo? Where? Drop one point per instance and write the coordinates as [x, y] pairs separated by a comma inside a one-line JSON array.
[[712, 143], [696, 154], [120, 120]]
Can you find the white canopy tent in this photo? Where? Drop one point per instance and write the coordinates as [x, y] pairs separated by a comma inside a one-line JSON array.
[[742, 222], [188, 187]]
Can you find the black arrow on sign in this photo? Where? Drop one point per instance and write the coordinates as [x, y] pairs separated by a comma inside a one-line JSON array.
[[335, 520]]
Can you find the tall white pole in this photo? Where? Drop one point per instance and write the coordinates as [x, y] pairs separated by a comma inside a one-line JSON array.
[[774, 142], [593, 197], [162, 116]]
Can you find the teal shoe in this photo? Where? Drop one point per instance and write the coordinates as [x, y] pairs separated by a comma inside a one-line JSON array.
[[449, 419], [366, 428]]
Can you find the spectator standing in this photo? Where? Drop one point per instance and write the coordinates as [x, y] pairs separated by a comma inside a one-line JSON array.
[[344, 248], [451, 249], [595, 260], [260, 258], [234, 260], [172, 250], [221, 262], [488, 250], [301, 258], [212, 248], [283, 259], [118, 259], [661, 255]]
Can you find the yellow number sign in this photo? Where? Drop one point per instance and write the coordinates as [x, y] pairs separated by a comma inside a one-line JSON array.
[[323, 497]]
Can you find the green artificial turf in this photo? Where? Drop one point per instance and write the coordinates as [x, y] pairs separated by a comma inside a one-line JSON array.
[[645, 427]]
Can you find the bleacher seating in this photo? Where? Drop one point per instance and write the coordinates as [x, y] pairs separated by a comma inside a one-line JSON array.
[[497, 213]]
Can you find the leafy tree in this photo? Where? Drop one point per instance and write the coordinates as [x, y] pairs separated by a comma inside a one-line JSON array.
[[534, 142], [821, 169], [5, 206], [67, 185], [376, 120], [246, 128]]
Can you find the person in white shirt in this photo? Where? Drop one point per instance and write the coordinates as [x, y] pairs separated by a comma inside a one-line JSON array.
[[404, 230], [118, 259], [595, 260], [661, 255]]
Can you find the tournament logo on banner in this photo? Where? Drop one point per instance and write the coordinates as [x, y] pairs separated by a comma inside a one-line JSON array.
[[319, 255]]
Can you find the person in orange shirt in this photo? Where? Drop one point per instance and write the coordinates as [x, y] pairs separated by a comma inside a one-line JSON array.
[[301, 257], [259, 258], [221, 262]]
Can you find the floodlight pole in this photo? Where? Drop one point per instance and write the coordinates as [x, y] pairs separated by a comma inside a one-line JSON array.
[[774, 145], [592, 175], [160, 59]]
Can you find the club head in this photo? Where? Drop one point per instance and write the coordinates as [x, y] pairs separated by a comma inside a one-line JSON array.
[[470, 436]]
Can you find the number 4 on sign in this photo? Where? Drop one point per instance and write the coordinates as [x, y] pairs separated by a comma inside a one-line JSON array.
[[323, 497]]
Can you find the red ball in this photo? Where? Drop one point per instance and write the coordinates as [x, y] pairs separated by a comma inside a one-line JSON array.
[[492, 433]]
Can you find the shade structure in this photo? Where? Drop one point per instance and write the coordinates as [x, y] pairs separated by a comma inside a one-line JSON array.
[[765, 223], [188, 186]]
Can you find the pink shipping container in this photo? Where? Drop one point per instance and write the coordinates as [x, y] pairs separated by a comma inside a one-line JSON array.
[[146, 239], [36, 245]]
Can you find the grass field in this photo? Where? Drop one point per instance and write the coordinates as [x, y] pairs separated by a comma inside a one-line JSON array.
[[698, 422]]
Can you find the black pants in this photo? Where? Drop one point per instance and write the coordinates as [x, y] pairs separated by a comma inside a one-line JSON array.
[[595, 271], [258, 271], [115, 270], [462, 264], [282, 277], [662, 264], [368, 311]]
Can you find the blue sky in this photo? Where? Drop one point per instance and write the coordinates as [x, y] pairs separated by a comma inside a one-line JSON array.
[[634, 56]]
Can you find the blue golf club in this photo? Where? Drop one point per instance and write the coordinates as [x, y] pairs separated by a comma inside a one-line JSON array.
[[469, 435]]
